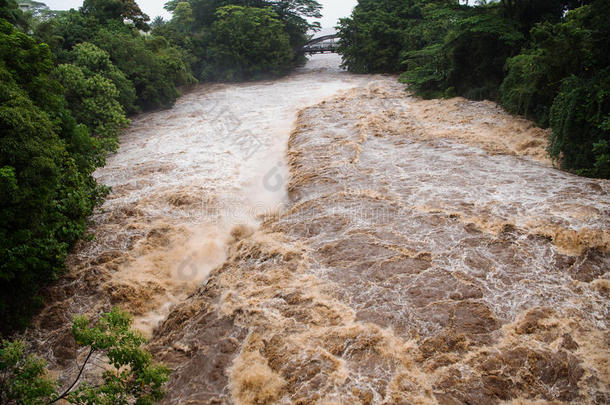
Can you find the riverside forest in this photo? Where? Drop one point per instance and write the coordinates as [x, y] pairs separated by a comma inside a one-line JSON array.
[[196, 210]]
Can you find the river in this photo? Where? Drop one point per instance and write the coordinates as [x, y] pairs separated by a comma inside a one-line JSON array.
[[327, 238]]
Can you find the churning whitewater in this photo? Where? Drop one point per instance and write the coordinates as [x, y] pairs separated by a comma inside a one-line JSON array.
[[328, 239]]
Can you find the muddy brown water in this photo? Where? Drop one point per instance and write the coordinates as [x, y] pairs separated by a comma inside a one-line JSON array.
[[328, 239]]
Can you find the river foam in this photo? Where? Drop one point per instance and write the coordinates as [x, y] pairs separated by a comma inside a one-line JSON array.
[[410, 265]]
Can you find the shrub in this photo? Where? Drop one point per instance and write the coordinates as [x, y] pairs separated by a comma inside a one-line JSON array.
[[580, 121]]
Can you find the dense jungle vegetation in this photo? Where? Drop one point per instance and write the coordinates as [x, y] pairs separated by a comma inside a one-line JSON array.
[[545, 59], [69, 80]]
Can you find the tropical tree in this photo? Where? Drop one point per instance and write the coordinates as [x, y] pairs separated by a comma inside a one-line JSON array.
[[183, 16], [46, 161], [374, 37], [154, 67], [93, 100], [121, 10], [248, 43]]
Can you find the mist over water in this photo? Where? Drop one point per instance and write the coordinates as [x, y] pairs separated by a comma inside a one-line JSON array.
[[327, 239]]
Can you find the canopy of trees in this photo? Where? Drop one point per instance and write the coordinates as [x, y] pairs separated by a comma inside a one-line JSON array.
[[545, 59], [279, 27], [248, 42], [46, 161]]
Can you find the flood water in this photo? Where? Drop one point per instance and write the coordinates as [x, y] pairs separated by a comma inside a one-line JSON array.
[[328, 239]]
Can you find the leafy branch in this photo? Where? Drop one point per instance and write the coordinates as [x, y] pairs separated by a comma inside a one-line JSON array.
[[134, 378]]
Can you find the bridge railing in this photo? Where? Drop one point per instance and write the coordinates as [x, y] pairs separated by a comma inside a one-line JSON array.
[[327, 43]]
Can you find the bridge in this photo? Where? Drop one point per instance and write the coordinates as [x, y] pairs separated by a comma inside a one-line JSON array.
[[327, 43]]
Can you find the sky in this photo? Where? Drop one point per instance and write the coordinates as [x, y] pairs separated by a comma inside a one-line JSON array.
[[333, 9]]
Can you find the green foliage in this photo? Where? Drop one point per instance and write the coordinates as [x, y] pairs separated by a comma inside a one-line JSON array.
[[527, 88], [562, 81], [601, 150], [152, 71], [154, 67], [468, 61], [46, 162], [427, 72], [93, 60], [93, 101], [290, 11], [527, 13], [23, 378], [580, 118], [120, 10], [557, 51], [477, 49], [248, 43], [10, 12], [89, 87], [29, 64], [31, 160], [133, 378], [375, 36], [191, 30], [183, 16], [65, 31], [296, 16]]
